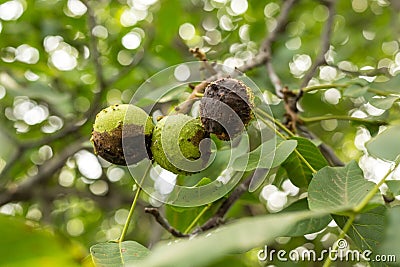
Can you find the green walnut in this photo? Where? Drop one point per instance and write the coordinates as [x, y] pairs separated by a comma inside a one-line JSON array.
[[122, 134], [226, 108], [180, 144]]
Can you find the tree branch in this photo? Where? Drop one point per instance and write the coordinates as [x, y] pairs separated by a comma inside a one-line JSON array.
[[202, 57], [218, 217], [263, 57], [22, 190], [371, 72], [325, 44], [213, 222], [164, 223]]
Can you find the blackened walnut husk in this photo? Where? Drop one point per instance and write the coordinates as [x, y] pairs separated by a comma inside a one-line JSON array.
[[129, 139], [226, 108]]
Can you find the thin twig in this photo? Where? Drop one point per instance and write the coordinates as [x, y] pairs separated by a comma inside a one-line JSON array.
[[218, 217], [371, 72], [164, 223], [325, 44], [340, 117], [200, 55], [185, 107], [213, 222], [261, 58]]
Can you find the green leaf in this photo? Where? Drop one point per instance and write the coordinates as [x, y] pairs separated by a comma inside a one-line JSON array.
[[298, 172], [384, 103], [236, 237], [394, 186], [117, 254], [390, 245], [30, 246], [385, 145], [366, 230], [355, 91], [268, 155], [306, 226], [338, 187]]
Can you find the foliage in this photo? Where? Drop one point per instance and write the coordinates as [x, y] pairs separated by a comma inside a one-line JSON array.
[[320, 170]]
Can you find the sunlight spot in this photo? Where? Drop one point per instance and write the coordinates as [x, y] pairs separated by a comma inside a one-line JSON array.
[[146, 2], [293, 44], [300, 64], [359, 114], [267, 191], [11, 209], [66, 178], [51, 43], [8, 54], [347, 65], [115, 174], [276, 201], [31, 76], [368, 78], [225, 23], [54, 123], [36, 114], [361, 138], [374, 169], [113, 233], [187, 31], [63, 60], [182, 72], [120, 216], [75, 227], [34, 214], [290, 188], [213, 37], [359, 6], [329, 125], [99, 188], [76, 7], [390, 48], [165, 182], [332, 96], [27, 54], [373, 111], [45, 152], [88, 164], [2, 92], [11, 10], [210, 23], [239, 6], [124, 57], [271, 9], [131, 40], [328, 73], [127, 18], [320, 13], [369, 35], [100, 31]]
